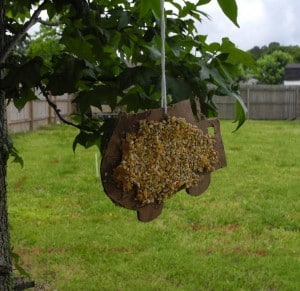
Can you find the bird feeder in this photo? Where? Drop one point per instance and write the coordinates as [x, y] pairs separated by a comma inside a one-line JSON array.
[[152, 155]]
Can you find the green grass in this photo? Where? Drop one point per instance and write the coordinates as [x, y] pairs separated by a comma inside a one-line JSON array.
[[241, 234]]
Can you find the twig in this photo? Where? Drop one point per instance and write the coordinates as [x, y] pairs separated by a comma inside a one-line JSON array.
[[32, 21], [46, 94], [48, 23]]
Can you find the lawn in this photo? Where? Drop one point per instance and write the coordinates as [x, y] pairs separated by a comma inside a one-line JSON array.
[[241, 234]]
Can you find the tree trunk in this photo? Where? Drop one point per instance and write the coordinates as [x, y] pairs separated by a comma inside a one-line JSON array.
[[5, 261]]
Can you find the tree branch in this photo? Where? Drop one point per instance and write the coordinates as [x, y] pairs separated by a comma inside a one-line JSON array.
[[32, 21], [48, 23], [46, 94]]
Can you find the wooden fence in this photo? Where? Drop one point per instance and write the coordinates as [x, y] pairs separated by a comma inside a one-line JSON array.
[[263, 102], [267, 102], [37, 113]]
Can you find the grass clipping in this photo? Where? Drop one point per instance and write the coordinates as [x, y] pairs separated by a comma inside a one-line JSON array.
[[162, 157]]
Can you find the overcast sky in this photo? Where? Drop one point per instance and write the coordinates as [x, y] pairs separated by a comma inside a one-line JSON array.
[[261, 22]]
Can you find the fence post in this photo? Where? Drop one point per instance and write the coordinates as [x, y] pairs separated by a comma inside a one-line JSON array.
[[297, 103], [7, 112], [49, 113], [55, 115], [31, 115], [248, 102], [69, 104], [293, 104]]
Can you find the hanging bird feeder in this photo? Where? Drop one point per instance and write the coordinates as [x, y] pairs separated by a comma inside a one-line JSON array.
[[154, 154]]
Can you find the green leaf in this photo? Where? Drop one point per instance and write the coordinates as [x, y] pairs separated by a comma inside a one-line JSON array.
[[142, 76], [240, 114], [203, 2], [213, 47], [67, 72], [204, 72], [179, 88], [79, 46], [16, 261], [186, 10], [235, 55], [13, 152], [148, 5], [124, 20], [16, 157], [240, 111], [26, 95], [176, 5], [104, 94], [218, 78], [18, 12], [154, 51], [149, 35], [230, 9], [29, 73], [87, 140], [135, 99], [132, 99]]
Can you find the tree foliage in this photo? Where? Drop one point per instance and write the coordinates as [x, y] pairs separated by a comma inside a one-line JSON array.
[[108, 52], [271, 67], [271, 61], [44, 43], [258, 52]]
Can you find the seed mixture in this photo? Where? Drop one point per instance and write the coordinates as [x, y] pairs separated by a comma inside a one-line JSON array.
[[162, 157]]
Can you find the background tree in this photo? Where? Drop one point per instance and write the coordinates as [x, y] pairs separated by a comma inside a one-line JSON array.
[[45, 43], [271, 60], [294, 51], [258, 52], [271, 67], [97, 41], [273, 46]]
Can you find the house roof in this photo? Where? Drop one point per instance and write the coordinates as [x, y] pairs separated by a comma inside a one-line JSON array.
[[292, 72]]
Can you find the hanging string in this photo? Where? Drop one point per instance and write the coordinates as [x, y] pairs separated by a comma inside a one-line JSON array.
[[163, 58]]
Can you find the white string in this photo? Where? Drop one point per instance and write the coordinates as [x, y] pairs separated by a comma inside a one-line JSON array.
[[163, 58]]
